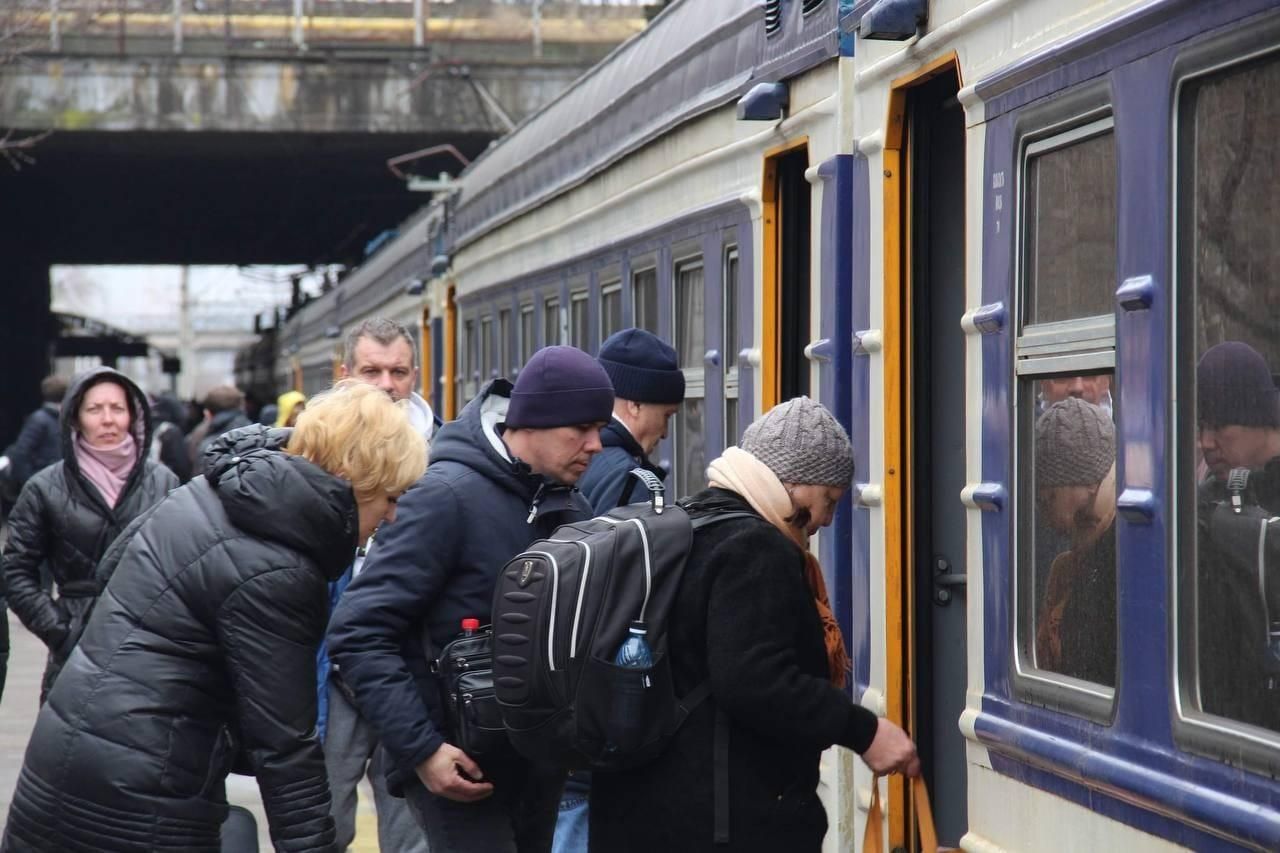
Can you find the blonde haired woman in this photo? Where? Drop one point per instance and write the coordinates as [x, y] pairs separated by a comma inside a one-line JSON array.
[[201, 651]]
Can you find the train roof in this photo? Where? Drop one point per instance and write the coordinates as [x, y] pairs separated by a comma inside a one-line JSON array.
[[695, 56], [361, 290]]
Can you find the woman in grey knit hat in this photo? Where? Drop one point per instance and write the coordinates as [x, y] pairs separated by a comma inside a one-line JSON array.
[[1075, 476], [752, 621]]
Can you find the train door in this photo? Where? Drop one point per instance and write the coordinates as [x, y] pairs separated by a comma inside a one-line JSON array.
[[787, 249], [927, 293]]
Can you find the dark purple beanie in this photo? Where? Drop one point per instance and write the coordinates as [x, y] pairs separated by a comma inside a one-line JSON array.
[[1234, 388], [560, 386], [643, 367]]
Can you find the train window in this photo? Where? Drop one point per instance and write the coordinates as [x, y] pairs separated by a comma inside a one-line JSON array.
[[485, 360], [1069, 567], [550, 322], [730, 345], [466, 362], [690, 427], [690, 322], [1227, 588], [1069, 210], [610, 309], [504, 342], [1066, 440], [579, 321], [527, 339], [644, 296]]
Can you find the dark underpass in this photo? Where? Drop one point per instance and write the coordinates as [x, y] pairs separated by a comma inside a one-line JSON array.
[[186, 198]]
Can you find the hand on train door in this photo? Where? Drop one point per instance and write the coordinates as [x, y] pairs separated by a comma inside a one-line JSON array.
[[892, 751]]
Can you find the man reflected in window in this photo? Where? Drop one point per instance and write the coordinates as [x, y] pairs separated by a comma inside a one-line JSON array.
[[1238, 561], [1075, 477], [1093, 388]]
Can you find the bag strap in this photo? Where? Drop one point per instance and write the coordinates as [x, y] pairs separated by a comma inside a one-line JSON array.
[[717, 517], [873, 837], [720, 778]]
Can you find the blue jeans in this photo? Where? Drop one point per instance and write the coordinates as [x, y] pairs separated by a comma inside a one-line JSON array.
[[573, 819]]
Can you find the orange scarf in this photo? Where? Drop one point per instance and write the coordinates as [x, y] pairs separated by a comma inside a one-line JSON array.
[[745, 475]]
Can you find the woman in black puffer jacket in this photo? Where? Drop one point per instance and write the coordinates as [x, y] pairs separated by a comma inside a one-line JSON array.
[[752, 620], [68, 513], [200, 654]]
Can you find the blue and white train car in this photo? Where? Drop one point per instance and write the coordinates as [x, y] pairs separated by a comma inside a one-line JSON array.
[[939, 218]]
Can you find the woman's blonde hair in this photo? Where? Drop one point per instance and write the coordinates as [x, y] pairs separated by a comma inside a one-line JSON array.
[[355, 431]]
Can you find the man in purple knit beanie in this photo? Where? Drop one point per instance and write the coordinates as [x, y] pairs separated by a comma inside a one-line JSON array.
[[501, 475]]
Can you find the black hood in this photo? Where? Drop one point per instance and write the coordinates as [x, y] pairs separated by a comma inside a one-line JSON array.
[[474, 440], [140, 423], [284, 498]]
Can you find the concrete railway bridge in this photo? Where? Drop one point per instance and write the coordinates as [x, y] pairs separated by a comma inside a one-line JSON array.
[[246, 131]]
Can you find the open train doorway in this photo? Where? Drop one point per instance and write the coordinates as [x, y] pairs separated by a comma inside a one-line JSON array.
[[925, 293], [787, 249]]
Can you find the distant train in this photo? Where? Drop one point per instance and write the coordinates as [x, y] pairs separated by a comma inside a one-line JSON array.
[[937, 218]]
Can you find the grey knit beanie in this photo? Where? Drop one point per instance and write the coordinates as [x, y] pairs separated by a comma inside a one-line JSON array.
[[1075, 444], [802, 443]]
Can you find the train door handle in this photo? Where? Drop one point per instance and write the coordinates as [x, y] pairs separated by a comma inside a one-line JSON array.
[[944, 580]]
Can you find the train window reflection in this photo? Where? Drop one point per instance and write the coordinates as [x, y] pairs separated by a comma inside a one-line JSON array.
[[1068, 574], [579, 322], [485, 360], [550, 322], [690, 327], [504, 342], [644, 296], [691, 456], [527, 342], [610, 309], [1070, 231], [730, 345], [1229, 442]]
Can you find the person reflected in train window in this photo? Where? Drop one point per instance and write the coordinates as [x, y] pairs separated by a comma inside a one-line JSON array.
[[1075, 478], [1238, 588], [1093, 388], [649, 385], [752, 620]]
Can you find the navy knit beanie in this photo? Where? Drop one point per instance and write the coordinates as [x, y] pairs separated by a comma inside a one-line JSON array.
[[643, 367], [1234, 387], [560, 386]]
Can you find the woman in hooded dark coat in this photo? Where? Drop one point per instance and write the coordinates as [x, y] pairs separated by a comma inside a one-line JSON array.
[[68, 513], [200, 654]]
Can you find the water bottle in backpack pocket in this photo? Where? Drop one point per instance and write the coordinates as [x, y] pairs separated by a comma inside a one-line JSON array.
[[626, 713], [465, 672]]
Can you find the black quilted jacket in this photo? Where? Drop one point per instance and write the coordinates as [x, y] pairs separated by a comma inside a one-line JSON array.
[[200, 655], [61, 519]]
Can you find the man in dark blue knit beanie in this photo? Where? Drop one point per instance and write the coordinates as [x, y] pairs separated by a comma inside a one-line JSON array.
[[559, 403], [649, 388]]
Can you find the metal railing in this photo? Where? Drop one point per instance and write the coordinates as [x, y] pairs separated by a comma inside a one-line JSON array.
[[300, 25]]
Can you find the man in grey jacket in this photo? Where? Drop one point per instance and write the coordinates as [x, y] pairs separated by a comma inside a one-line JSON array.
[[379, 352]]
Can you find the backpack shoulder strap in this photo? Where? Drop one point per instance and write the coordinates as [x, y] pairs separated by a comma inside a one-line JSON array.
[[717, 517]]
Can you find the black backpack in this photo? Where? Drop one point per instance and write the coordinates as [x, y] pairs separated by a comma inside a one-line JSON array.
[[563, 607]]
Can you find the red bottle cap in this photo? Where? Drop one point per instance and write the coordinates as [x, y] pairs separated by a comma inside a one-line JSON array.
[[471, 624]]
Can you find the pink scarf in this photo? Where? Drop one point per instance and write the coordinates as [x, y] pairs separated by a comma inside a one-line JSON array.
[[107, 467]]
